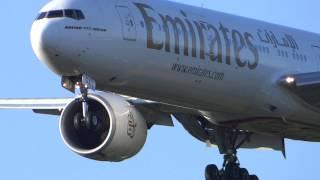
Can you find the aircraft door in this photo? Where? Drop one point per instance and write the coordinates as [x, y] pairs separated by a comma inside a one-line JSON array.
[[129, 31]]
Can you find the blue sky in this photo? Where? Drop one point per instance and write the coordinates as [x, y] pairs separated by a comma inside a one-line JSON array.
[[31, 147]]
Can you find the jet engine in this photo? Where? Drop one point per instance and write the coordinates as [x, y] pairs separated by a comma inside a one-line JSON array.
[[114, 130]]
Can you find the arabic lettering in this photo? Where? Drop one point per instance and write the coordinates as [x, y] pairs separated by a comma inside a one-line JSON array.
[[269, 37]]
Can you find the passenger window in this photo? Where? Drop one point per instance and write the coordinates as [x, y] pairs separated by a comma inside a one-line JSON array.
[[55, 14], [41, 15]]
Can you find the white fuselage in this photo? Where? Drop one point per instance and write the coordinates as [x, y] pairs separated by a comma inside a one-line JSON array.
[[225, 66]]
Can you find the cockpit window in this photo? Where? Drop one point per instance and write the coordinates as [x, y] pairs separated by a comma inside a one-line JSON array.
[[79, 14], [69, 13], [42, 15], [55, 14], [75, 14]]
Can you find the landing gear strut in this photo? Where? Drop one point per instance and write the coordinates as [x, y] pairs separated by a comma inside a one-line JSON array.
[[228, 142], [84, 97], [83, 83]]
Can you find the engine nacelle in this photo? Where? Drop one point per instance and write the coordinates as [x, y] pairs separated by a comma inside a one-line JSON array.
[[115, 132]]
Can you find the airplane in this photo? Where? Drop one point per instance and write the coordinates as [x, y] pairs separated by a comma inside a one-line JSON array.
[[230, 81]]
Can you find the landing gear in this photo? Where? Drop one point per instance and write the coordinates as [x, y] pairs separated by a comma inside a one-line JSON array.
[[89, 120], [228, 142], [231, 171], [254, 177], [83, 83], [212, 172], [244, 174]]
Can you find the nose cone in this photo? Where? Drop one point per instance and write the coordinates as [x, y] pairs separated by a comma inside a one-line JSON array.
[[46, 43]]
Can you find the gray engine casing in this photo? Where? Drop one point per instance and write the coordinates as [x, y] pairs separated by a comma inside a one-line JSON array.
[[126, 133]]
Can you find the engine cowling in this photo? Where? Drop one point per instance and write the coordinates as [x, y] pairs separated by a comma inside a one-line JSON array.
[[116, 130]]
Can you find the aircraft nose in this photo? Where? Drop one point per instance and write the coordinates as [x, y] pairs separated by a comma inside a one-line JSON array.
[[46, 41]]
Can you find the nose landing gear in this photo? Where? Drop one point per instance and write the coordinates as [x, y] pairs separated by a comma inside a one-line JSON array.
[[84, 83]]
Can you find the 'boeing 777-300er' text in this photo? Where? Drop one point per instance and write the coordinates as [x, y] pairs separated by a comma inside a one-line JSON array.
[[230, 81]]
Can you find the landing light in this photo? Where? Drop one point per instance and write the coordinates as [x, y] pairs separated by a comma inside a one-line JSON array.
[[77, 86], [290, 80]]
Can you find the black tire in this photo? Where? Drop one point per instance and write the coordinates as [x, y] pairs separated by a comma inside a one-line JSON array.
[[232, 171], [77, 121], [254, 177], [212, 172], [244, 174], [222, 175]]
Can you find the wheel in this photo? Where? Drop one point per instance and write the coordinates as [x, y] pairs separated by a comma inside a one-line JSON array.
[[222, 175], [212, 172], [244, 174], [232, 171], [254, 177], [77, 121]]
